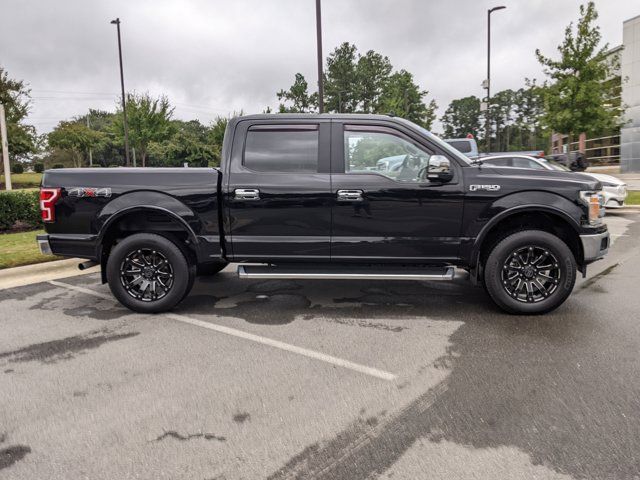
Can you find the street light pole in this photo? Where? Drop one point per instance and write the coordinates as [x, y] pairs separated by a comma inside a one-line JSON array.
[[116, 22], [319, 45], [488, 111]]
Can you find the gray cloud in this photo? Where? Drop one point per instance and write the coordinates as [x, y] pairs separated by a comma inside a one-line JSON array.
[[214, 57]]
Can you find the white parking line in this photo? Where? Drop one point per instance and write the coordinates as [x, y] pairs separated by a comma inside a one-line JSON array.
[[373, 372]]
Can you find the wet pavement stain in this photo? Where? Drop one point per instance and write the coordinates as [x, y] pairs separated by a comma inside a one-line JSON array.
[[13, 454], [65, 348], [593, 280], [9, 370], [26, 292], [241, 417], [97, 313], [191, 436], [512, 383], [273, 286], [361, 323]]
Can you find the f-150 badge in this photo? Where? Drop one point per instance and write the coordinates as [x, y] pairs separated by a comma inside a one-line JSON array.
[[488, 188], [82, 192]]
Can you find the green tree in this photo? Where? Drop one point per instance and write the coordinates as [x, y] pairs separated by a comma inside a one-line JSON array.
[[149, 120], [403, 97], [355, 83], [16, 98], [299, 97], [188, 144], [75, 138], [373, 72], [576, 99], [341, 80], [462, 117]]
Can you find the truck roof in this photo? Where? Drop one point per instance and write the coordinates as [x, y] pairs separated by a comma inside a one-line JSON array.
[[301, 116]]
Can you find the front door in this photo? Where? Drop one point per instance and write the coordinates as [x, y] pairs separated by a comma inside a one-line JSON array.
[[278, 191], [384, 209]]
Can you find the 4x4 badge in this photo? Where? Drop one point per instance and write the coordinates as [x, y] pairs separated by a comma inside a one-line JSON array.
[[488, 188], [89, 192]]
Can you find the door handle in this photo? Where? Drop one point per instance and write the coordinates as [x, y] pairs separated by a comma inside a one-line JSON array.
[[246, 194], [350, 195]]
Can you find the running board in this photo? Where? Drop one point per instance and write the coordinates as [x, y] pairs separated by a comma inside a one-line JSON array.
[[329, 272]]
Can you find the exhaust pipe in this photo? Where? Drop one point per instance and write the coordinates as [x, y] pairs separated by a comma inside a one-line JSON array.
[[87, 264]]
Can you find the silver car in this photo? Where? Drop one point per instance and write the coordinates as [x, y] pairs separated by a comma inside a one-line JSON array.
[[614, 190]]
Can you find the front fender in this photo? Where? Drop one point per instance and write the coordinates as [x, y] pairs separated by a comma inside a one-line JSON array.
[[502, 208]]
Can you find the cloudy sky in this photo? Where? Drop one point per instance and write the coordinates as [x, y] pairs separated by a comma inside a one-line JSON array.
[[213, 57]]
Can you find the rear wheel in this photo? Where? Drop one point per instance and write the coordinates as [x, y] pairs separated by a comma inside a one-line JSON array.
[[149, 273], [530, 272]]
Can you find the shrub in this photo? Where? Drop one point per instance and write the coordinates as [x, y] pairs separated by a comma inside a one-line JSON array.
[[17, 168], [38, 167], [58, 165], [18, 207]]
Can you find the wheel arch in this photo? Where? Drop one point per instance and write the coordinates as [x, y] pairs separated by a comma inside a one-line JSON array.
[[533, 217], [146, 219]]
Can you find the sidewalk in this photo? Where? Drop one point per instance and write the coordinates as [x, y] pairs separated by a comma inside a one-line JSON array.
[[42, 272]]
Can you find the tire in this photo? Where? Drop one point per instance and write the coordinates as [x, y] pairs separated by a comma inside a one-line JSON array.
[[516, 274], [156, 261], [208, 269]]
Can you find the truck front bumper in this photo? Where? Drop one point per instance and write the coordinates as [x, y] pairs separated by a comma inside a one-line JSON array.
[[595, 246]]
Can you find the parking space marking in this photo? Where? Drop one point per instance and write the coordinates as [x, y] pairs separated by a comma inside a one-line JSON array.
[[339, 362]]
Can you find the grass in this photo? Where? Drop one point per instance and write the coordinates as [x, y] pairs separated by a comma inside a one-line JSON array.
[[21, 249], [633, 197], [23, 180]]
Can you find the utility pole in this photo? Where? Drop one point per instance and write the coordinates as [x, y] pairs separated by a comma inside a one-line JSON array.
[[319, 45], [5, 148], [488, 114], [90, 149], [116, 22]]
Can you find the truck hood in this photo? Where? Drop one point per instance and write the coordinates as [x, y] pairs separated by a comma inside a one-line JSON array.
[[526, 177]]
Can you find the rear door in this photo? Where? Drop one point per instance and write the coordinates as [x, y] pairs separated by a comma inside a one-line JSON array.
[[390, 214], [278, 190]]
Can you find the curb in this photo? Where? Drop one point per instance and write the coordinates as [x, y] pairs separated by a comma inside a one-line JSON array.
[[42, 272]]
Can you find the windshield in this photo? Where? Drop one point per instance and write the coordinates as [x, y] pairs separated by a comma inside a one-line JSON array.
[[438, 141], [555, 165]]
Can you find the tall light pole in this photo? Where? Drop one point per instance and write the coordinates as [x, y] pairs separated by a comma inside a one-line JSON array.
[[488, 114], [319, 44], [116, 22]]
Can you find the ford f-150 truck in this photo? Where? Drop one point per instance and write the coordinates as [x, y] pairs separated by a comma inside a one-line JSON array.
[[300, 196]]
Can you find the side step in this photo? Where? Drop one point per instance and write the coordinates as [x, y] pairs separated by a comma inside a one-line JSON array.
[[329, 272]]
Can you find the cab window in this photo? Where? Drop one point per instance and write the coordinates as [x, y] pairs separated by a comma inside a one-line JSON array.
[[384, 153]]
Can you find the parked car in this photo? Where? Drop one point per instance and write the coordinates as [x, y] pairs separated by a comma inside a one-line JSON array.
[[614, 190], [467, 146], [287, 202], [575, 161]]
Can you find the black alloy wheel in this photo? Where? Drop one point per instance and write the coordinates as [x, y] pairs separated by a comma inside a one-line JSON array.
[[530, 274], [146, 275]]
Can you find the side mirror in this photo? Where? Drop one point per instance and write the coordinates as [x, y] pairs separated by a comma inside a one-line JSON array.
[[439, 169]]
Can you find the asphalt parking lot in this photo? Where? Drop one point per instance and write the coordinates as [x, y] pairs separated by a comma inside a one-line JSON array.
[[320, 379]]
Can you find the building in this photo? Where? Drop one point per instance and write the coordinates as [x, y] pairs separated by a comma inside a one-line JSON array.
[[630, 71]]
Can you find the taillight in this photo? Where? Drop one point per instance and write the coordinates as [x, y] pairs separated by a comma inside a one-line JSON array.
[[48, 199]]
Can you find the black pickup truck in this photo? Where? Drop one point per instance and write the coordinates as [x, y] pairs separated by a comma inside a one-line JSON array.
[[307, 197]]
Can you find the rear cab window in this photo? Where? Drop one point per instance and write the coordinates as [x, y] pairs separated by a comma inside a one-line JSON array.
[[281, 149]]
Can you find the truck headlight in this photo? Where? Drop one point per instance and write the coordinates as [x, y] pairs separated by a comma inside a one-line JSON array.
[[594, 201]]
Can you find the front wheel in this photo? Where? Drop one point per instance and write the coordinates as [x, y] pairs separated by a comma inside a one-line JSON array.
[[149, 273], [530, 272]]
